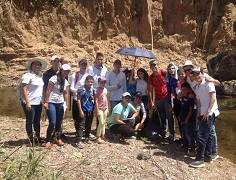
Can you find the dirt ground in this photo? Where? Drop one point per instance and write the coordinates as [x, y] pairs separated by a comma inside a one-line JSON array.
[[106, 161]]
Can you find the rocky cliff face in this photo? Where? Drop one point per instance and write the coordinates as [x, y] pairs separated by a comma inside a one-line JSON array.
[[74, 29]]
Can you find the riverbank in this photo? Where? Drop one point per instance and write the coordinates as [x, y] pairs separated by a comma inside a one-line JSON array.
[[107, 161]]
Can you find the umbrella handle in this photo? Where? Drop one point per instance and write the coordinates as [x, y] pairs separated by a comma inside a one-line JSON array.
[[135, 61]]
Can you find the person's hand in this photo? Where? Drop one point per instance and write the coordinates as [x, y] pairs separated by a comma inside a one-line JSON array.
[[28, 106], [118, 85], [98, 114], [186, 121], [198, 117], [206, 116], [81, 114], [45, 105], [108, 113], [79, 90]]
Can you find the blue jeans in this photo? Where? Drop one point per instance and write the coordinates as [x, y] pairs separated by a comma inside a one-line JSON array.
[[188, 134], [214, 139], [163, 110], [204, 138], [32, 118], [55, 114], [113, 104]]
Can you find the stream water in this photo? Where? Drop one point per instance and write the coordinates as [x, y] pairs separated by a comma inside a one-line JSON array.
[[225, 124]]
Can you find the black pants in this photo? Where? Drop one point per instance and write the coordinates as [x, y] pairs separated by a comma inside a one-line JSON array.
[[177, 107], [122, 129]]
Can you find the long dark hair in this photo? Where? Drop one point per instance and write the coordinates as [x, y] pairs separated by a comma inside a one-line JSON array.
[[61, 81], [144, 72]]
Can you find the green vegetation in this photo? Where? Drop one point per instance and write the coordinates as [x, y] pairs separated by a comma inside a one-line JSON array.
[[29, 168], [101, 20]]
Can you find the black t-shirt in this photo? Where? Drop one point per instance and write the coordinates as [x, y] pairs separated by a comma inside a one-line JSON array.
[[47, 75], [186, 104]]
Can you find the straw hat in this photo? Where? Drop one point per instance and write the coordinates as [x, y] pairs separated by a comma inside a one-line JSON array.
[[43, 63]]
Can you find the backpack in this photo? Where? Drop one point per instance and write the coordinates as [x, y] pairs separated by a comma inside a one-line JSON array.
[[154, 129]]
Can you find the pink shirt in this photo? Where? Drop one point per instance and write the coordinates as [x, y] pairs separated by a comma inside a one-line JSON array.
[[102, 98]]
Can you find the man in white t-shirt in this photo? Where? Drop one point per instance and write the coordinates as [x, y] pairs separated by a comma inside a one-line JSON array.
[[188, 67], [206, 115], [97, 69]]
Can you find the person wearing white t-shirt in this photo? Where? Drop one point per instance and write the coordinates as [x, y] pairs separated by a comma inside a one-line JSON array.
[[206, 115], [77, 82], [56, 102], [188, 67], [116, 84], [97, 70], [32, 89]]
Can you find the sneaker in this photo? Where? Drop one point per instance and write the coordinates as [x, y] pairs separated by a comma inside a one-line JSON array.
[[191, 153], [170, 138], [63, 136], [87, 140], [116, 138], [215, 156], [60, 142], [80, 145], [91, 136], [197, 164], [48, 145], [131, 137]]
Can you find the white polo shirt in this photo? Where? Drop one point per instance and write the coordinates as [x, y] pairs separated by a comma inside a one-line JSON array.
[[35, 87], [56, 96], [202, 92], [193, 84]]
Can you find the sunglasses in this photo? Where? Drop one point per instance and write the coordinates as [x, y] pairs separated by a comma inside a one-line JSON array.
[[196, 74], [187, 70], [139, 97]]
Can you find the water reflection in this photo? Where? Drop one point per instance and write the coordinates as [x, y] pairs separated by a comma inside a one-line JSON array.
[[225, 123]]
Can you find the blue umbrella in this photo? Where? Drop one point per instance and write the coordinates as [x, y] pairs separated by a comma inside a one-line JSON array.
[[136, 52]]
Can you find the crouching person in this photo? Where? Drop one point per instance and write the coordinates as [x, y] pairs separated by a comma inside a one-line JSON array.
[[118, 124]]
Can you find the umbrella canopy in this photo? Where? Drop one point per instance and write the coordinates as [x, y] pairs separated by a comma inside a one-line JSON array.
[[136, 52]]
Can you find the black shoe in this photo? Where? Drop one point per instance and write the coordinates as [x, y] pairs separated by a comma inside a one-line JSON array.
[[63, 136], [197, 164]]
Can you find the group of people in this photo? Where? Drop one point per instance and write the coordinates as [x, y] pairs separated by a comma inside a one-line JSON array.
[[185, 93]]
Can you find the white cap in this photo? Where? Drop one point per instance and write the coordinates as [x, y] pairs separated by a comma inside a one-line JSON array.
[[188, 63], [126, 94], [65, 67], [54, 57], [197, 70]]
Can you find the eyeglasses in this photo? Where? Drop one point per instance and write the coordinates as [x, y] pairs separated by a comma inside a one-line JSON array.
[[187, 70], [139, 97]]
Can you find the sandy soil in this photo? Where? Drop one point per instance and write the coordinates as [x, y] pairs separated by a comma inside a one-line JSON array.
[[106, 161]]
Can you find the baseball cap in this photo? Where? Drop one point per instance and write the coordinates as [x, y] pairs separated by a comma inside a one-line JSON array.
[[153, 62], [101, 79], [66, 67], [138, 93], [197, 70], [126, 94], [83, 61], [54, 57], [188, 63]]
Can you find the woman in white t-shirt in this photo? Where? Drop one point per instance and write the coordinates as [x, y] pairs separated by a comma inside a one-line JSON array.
[[32, 90], [56, 102], [141, 84]]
